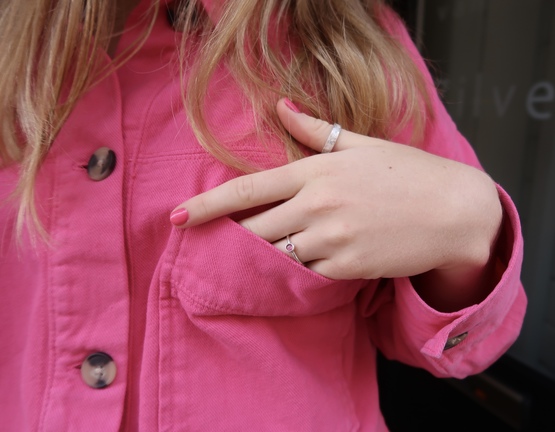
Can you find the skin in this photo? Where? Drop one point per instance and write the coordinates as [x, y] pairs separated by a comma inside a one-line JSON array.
[[371, 209]]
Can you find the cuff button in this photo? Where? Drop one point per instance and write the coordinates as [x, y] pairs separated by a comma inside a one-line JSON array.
[[454, 341]]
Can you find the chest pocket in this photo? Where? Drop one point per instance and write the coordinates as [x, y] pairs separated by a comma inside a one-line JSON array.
[[220, 268]]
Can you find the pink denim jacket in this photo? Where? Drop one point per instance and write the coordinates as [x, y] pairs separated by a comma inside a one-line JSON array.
[[209, 328]]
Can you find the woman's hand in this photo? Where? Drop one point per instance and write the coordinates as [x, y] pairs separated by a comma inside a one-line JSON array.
[[369, 209]]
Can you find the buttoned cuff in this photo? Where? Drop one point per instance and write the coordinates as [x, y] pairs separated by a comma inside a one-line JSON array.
[[492, 325]]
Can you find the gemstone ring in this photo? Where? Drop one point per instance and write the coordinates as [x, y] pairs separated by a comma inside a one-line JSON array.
[[290, 249]]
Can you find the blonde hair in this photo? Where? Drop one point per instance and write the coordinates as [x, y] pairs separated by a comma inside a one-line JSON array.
[[340, 65]]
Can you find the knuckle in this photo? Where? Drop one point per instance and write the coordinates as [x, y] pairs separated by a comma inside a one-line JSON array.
[[204, 208], [351, 267], [244, 189], [330, 269], [345, 269], [358, 267], [368, 266], [248, 225], [321, 131], [321, 205], [341, 235]]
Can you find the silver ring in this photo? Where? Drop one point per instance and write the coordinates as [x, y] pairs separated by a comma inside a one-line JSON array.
[[332, 138], [290, 248]]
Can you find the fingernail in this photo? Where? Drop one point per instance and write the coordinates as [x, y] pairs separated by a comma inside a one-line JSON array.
[[291, 105], [179, 216]]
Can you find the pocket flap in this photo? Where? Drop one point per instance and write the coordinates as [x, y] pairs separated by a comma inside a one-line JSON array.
[[222, 268]]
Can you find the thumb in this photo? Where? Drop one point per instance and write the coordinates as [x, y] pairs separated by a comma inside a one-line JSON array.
[[310, 131]]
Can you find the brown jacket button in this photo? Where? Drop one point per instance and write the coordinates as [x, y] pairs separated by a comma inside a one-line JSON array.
[[98, 370], [101, 164], [454, 341]]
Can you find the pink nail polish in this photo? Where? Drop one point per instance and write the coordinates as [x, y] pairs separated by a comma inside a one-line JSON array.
[[179, 216], [291, 105]]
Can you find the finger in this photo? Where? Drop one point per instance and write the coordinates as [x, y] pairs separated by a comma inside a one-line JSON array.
[[239, 194], [319, 255], [326, 268], [277, 222], [306, 246], [313, 132], [335, 267]]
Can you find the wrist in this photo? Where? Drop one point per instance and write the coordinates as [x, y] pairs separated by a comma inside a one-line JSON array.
[[466, 275]]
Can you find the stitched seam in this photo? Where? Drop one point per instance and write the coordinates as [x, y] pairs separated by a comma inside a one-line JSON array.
[[133, 162], [205, 304], [52, 349]]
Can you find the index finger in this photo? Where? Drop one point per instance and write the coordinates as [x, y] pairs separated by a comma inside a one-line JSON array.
[[238, 194]]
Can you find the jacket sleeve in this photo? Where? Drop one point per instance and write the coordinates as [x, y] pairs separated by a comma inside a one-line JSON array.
[[460, 343]]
